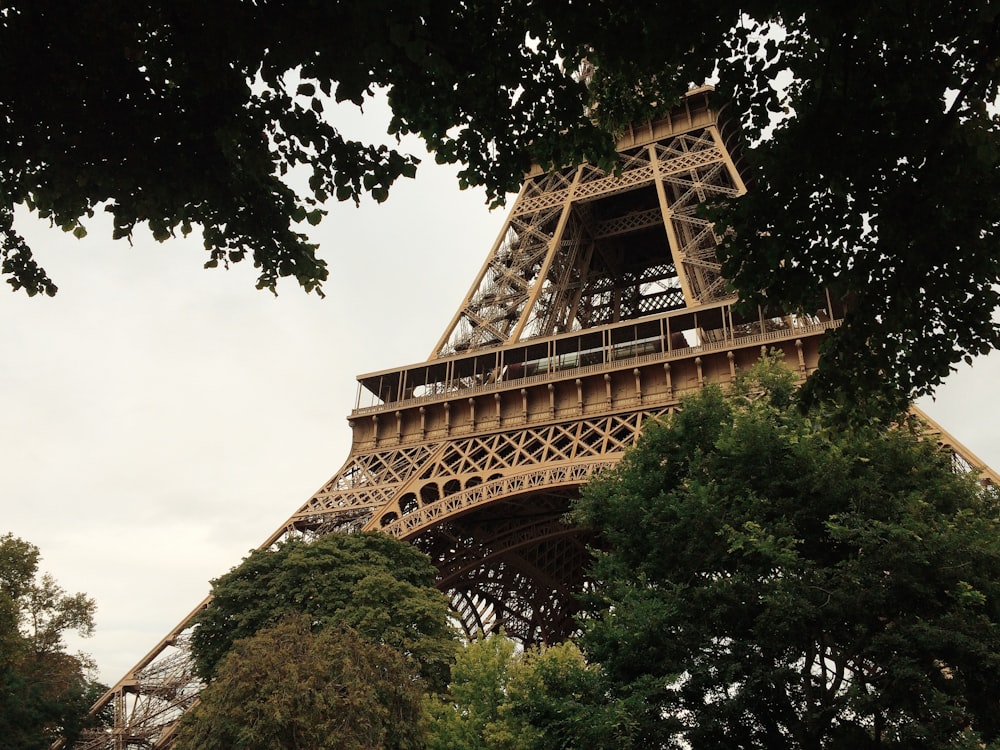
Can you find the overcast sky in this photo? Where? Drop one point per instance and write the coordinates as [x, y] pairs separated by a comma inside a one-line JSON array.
[[160, 420]]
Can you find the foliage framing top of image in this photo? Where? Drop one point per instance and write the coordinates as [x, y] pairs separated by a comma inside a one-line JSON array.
[[872, 152]]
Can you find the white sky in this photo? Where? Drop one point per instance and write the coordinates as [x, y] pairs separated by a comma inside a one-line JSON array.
[[160, 420]]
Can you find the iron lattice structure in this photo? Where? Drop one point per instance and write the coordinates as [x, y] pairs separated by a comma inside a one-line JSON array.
[[598, 307]]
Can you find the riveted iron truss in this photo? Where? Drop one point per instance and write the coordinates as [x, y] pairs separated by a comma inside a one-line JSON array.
[[583, 247]]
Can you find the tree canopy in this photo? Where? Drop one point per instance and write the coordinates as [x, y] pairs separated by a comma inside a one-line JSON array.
[[44, 690], [290, 686], [369, 582], [775, 580], [504, 698], [877, 179]]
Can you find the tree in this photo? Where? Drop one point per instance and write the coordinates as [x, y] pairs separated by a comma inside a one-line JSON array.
[[880, 185], [556, 700], [290, 686], [368, 582], [44, 691], [503, 698], [776, 581], [470, 708], [877, 179]]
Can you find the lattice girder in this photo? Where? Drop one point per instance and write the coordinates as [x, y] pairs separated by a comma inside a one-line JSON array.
[[518, 566], [542, 276]]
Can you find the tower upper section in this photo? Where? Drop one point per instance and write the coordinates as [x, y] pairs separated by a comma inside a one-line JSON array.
[[582, 247]]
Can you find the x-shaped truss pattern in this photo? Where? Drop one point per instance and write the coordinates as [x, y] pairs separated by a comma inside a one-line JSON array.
[[518, 568], [582, 247], [391, 488]]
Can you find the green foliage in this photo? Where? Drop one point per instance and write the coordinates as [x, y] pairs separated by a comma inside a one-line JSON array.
[[461, 717], [369, 582], [882, 186], [44, 691], [776, 580], [501, 698], [872, 152], [556, 700], [195, 114], [291, 686]]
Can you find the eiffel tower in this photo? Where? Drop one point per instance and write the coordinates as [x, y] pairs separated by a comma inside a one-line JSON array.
[[599, 306]]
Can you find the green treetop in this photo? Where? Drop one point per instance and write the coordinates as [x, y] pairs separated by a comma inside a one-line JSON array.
[[542, 698], [292, 686], [774, 580], [44, 690], [369, 582]]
